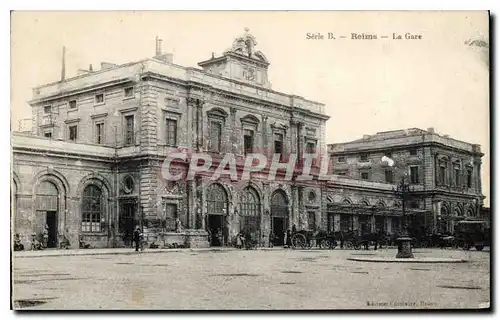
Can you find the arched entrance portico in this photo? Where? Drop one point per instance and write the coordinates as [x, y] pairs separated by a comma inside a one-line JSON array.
[[217, 208], [279, 216]]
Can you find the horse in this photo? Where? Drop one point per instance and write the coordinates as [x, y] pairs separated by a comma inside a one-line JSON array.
[[369, 237]]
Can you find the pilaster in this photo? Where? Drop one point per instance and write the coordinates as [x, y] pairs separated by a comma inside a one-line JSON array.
[[148, 119]]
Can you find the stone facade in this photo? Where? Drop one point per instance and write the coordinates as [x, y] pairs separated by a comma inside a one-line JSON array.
[[450, 193], [92, 167], [112, 129]]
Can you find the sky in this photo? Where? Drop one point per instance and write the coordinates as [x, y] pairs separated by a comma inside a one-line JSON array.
[[367, 85]]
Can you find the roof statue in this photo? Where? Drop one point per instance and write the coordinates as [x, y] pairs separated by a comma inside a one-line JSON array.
[[245, 45]]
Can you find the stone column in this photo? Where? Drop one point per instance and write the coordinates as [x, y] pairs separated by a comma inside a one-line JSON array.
[[235, 133], [388, 224], [355, 222], [300, 140], [372, 223], [191, 201], [265, 138], [295, 206], [336, 222]]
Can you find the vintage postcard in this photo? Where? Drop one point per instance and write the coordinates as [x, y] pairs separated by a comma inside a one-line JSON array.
[[250, 160]]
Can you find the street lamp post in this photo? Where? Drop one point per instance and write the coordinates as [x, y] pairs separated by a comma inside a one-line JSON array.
[[403, 192]]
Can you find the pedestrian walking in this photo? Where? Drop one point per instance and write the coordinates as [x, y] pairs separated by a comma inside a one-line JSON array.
[[288, 238], [137, 238], [239, 242], [271, 239]]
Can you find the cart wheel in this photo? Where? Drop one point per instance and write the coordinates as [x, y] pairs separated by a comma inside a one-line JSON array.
[[324, 244], [298, 241], [348, 245], [357, 246]]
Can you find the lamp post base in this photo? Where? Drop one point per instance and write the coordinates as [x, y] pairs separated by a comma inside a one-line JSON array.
[[404, 248]]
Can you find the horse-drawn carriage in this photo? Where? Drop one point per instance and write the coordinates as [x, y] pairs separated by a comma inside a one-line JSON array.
[[306, 239], [352, 240]]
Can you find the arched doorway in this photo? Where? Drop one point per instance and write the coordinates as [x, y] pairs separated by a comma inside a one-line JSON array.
[[47, 207], [279, 216], [217, 207], [250, 212]]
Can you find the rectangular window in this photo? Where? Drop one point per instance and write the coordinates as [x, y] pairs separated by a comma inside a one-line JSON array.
[[414, 205], [363, 157], [129, 92], [457, 176], [341, 159], [311, 221], [47, 109], [442, 174], [469, 179], [73, 133], [47, 134], [171, 132], [413, 152], [248, 141], [99, 98], [72, 104], [346, 222], [388, 176], [278, 144], [311, 147], [414, 174], [171, 216], [129, 130], [216, 136], [99, 133], [364, 175]]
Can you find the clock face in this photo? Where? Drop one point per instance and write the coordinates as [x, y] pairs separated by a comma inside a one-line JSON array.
[[249, 74]]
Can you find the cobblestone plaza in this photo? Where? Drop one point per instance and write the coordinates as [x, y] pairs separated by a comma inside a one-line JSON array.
[[267, 279]]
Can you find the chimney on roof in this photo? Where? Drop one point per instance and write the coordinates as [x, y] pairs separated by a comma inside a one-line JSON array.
[[366, 136], [158, 46], [430, 130], [90, 67]]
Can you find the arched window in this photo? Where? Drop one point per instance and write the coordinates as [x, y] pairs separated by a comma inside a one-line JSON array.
[[250, 211], [346, 202], [365, 203], [249, 202], [92, 209], [216, 199], [381, 204]]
